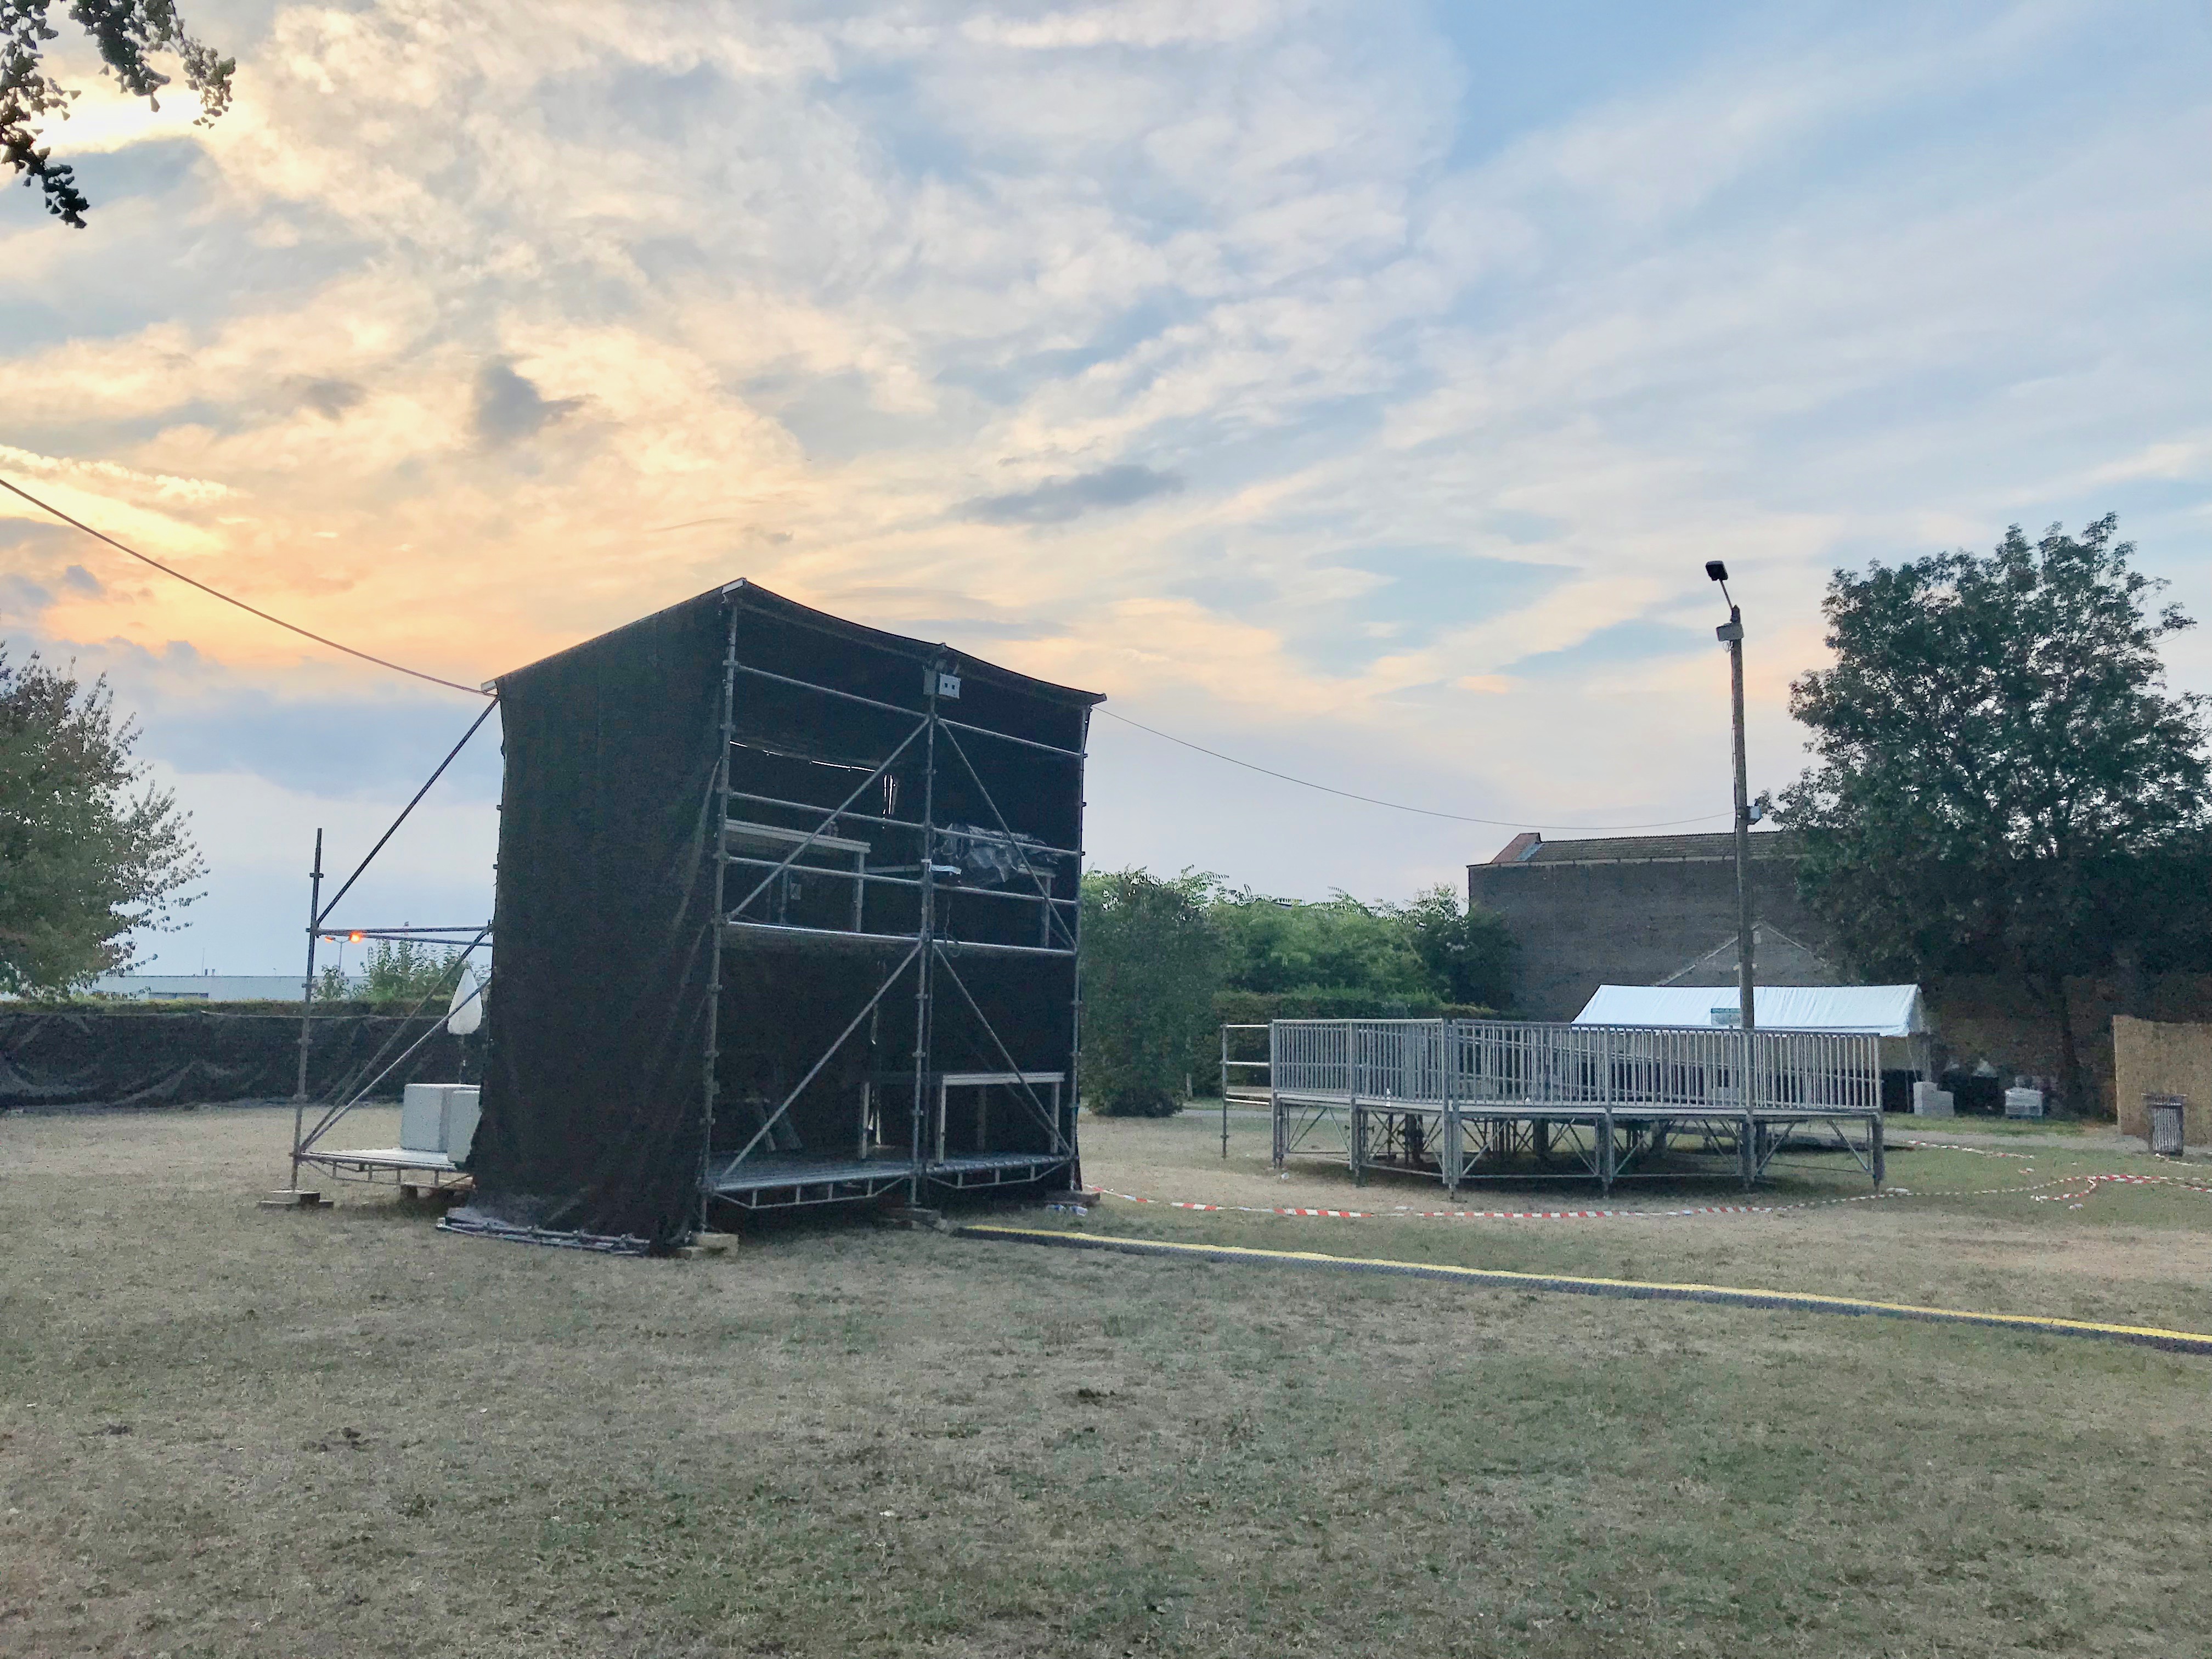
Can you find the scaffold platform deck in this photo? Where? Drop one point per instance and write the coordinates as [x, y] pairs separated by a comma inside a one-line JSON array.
[[783, 1180], [1464, 1101]]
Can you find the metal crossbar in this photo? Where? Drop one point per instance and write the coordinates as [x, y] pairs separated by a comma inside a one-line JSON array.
[[1043, 885]]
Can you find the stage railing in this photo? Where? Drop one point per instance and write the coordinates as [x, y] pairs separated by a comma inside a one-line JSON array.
[[1474, 1064]]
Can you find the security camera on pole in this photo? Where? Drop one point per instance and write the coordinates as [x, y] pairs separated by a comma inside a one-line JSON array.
[[1730, 634]]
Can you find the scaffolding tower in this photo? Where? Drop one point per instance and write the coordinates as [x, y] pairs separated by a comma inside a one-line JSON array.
[[913, 890], [788, 914]]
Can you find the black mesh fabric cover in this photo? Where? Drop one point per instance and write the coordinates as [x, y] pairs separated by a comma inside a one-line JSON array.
[[594, 1128], [200, 1056], [593, 1104]]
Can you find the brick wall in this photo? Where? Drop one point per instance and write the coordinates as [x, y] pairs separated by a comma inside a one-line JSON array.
[[1581, 926]]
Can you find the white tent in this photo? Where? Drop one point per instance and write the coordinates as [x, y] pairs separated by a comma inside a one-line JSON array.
[[1890, 1011]]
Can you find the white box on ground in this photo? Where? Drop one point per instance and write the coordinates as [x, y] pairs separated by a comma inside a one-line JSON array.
[[460, 1120], [438, 1117], [1928, 1101], [423, 1118], [2023, 1102]]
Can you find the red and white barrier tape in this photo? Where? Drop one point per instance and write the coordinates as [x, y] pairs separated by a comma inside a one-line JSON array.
[[2082, 1196], [1977, 1151], [1408, 1214], [2034, 1189]]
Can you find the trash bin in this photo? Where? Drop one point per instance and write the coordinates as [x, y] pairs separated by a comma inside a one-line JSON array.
[[2165, 1113]]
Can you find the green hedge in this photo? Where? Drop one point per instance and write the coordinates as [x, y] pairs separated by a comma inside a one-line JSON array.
[[1258, 1007]]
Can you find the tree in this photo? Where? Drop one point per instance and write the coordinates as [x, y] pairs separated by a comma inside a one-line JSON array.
[[2002, 782], [406, 970], [1467, 952], [127, 34], [90, 851], [1152, 963], [1338, 943]]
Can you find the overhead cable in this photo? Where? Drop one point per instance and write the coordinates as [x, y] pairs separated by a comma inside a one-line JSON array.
[[477, 691], [1400, 806], [398, 668]]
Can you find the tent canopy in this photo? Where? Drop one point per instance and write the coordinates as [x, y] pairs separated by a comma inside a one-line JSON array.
[[1884, 1010]]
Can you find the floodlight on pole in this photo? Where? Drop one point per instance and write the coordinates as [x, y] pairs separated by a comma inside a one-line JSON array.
[[1730, 634]]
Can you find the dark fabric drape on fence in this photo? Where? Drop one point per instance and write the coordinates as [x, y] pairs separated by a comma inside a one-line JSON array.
[[198, 1057], [594, 1095]]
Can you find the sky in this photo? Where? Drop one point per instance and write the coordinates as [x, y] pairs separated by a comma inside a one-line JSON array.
[[1357, 390]]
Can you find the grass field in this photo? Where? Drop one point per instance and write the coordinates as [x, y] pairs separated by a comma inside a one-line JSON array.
[[230, 1432]]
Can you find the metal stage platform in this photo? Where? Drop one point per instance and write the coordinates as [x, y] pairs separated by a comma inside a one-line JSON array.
[[1463, 1101], [405, 1167], [784, 1181]]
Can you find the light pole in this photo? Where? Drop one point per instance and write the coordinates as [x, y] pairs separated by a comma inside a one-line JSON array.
[[1730, 634]]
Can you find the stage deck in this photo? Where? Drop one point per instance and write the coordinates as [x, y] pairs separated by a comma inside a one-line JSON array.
[[397, 1163], [783, 1179], [1505, 1100], [1462, 1142]]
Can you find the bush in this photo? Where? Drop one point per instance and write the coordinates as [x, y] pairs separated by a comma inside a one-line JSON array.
[[1276, 945], [1152, 963], [1468, 953], [1166, 963], [406, 970]]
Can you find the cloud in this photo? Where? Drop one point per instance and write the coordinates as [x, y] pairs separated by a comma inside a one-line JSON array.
[[509, 407], [548, 329], [331, 398], [338, 749], [2175, 458], [1143, 23], [1057, 501], [22, 600]]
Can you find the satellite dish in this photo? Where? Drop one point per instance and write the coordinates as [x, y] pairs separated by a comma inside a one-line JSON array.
[[466, 1013]]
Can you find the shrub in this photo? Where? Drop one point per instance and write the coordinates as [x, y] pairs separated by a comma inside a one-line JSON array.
[[1152, 963]]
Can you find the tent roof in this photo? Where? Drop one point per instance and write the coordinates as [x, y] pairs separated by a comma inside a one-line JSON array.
[[1884, 1010]]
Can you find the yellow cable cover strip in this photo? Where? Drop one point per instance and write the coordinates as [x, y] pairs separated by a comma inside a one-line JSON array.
[[1638, 1289]]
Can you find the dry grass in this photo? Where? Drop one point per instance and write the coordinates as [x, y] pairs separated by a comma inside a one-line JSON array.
[[227, 1431], [1956, 1229]]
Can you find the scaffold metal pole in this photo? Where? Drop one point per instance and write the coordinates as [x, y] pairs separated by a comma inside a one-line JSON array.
[[306, 1005], [711, 1059], [925, 960]]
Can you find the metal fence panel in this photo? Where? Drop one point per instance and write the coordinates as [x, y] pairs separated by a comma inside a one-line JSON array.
[[1498, 1063]]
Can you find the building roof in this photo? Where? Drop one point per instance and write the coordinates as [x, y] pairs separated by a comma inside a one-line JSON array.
[[1643, 850]]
